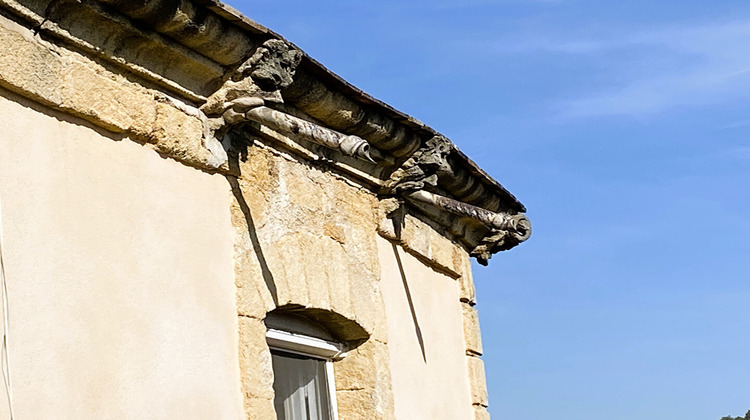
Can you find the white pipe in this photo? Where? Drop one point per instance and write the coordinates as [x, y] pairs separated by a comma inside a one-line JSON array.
[[4, 350]]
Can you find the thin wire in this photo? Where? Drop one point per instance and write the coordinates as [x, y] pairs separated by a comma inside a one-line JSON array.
[[5, 357]]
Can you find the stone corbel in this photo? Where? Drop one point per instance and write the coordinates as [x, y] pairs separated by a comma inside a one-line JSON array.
[[505, 230], [253, 109], [271, 68], [349, 145], [255, 84], [421, 172], [424, 167]]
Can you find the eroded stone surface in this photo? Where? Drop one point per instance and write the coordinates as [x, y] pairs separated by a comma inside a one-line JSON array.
[[466, 285], [306, 238], [421, 240], [471, 330], [272, 66], [255, 359], [477, 381], [356, 371], [75, 84], [480, 413]]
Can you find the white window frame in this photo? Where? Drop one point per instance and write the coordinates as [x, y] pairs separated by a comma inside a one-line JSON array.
[[313, 347]]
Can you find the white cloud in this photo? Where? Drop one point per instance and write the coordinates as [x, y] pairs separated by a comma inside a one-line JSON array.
[[655, 93], [652, 71], [742, 152], [736, 124]]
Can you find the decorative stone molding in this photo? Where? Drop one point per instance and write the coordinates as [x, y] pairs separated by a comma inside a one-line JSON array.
[[225, 71], [342, 112], [424, 167], [423, 172], [501, 221], [201, 28], [505, 230], [256, 82], [272, 66], [247, 109], [502, 239], [348, 145], [79, 86]]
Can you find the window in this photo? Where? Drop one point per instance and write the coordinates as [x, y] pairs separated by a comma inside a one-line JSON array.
[[302, 387], [302, 355]]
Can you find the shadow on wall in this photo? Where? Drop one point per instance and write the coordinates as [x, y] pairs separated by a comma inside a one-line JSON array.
[[234, 166], [342, 329], [417, 330]]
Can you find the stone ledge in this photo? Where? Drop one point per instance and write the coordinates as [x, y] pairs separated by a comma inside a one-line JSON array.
[[78, 86]]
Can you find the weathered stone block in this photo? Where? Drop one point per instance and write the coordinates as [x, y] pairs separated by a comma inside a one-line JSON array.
[[82, 87], [256, 370], [361, 405], [259, 408], [481, 413], [33, 69], [477, 380], [467, 292], [472, 333], [427, 244], [415, 237], [363, 381], [441, 249], [358, 370]]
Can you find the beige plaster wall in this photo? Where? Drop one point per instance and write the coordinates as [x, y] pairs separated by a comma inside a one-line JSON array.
[[106, 97], [120, 276], [125, 306], [426, 341]]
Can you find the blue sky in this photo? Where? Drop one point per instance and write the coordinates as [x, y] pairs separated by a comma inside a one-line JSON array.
[[624, 128]]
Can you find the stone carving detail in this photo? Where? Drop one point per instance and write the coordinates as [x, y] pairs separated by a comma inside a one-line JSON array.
[[505, 230], [518, 230], [291, 125], [272, 66], [256, 83], [249, 94], [420, 174], [253, 108], [425, 165]]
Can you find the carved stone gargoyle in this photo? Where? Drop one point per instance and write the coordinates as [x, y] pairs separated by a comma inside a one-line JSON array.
[[518, 229], [256, 84], [269, 69], [420, 174], [424, 167], [272, 67]]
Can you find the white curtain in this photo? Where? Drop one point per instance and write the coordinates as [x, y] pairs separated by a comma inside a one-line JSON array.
[[301, 387]]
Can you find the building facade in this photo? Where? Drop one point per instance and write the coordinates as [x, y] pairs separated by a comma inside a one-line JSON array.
[[199, 221]]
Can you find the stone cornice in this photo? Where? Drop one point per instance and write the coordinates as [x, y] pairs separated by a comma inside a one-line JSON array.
[[238, 73], [505, 230]]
